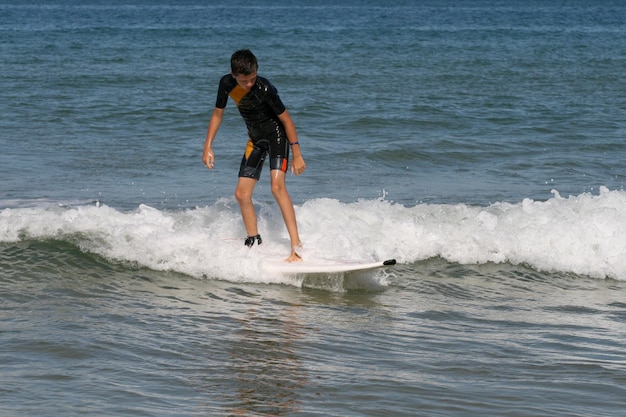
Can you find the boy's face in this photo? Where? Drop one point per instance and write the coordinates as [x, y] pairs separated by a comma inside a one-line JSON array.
[[246, 81]]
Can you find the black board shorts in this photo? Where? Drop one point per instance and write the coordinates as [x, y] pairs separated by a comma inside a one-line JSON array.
[[257, 151]]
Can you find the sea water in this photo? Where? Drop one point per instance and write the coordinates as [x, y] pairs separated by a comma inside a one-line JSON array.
[[479, 143]]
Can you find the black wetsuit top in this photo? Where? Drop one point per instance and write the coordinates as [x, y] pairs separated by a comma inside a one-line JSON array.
[[259, 108]]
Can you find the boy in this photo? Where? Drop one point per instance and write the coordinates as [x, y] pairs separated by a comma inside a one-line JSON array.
[[270, 131]]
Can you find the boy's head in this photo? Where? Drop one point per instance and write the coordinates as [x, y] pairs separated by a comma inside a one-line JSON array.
[[243, 62]]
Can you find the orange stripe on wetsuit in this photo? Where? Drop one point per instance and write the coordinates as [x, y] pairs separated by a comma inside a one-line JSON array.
[[237, 93]]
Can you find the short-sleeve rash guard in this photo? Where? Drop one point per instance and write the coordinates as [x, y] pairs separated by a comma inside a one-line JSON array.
[[259, 107]]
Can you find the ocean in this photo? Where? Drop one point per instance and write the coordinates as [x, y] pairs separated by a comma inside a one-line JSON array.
[[480, 143]]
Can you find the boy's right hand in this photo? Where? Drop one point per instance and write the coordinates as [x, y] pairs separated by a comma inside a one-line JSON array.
[[208, 158]]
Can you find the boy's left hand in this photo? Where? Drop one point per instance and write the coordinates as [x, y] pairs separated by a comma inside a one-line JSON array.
[[298, 166]]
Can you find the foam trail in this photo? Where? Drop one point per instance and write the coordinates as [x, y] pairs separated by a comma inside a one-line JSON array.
[[581, 234]]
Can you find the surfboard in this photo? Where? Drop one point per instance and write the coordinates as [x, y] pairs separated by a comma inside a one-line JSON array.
[[321, 266]]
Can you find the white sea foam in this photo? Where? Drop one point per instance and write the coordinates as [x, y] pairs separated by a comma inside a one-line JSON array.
[[584, 234]]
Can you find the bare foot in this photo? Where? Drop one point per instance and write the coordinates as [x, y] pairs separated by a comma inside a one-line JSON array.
[[294, 257]]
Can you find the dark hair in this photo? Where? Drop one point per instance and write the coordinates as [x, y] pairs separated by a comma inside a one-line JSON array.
[[243, 62]]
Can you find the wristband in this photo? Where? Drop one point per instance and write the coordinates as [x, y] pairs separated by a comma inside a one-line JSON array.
[[295, 143]]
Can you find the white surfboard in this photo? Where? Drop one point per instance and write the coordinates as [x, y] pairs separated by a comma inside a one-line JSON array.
[[321, 266]]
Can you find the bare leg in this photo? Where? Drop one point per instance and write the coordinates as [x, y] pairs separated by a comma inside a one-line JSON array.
[[243, 194], [279, 190]]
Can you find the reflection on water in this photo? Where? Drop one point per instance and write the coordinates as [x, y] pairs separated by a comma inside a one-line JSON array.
[[267, 373]]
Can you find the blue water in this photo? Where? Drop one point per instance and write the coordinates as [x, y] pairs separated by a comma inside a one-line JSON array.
[[480, 143]]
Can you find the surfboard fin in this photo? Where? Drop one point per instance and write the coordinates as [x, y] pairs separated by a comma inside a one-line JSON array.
[[389, 262]]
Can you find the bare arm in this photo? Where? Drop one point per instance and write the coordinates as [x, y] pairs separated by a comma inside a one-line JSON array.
[[208, 157], [297, 165]]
